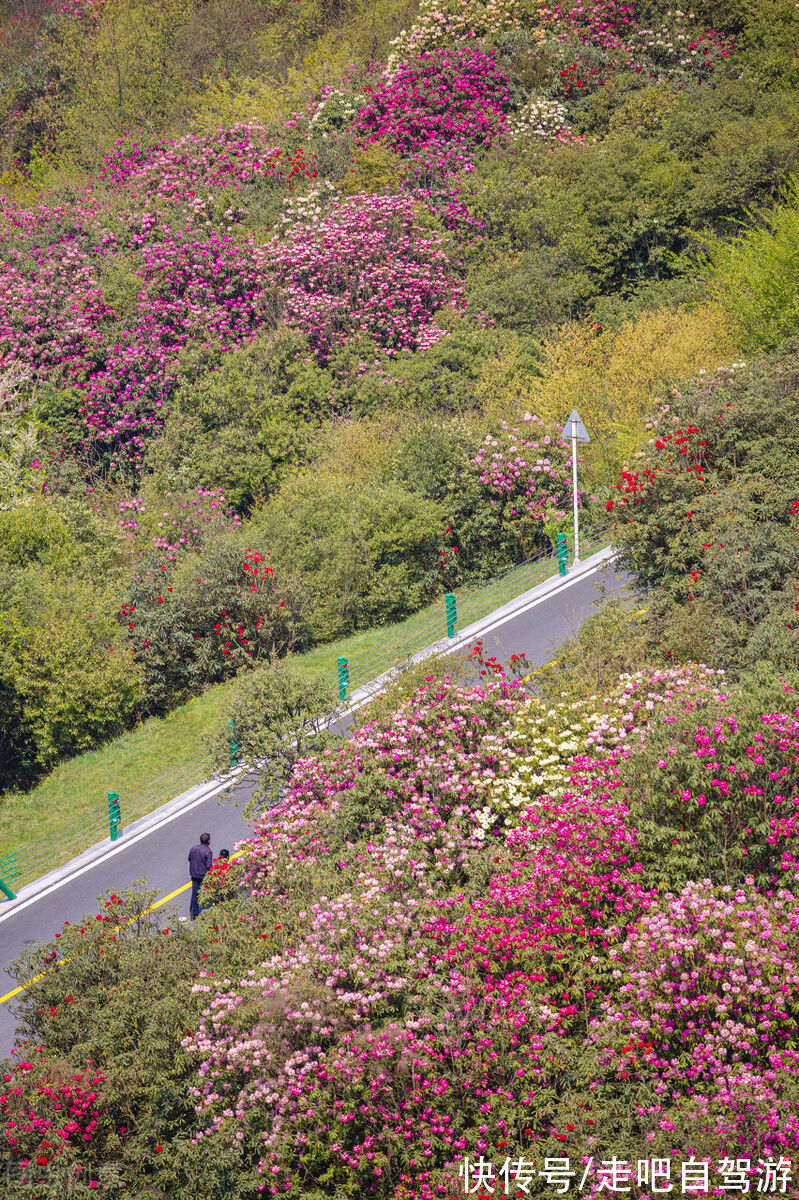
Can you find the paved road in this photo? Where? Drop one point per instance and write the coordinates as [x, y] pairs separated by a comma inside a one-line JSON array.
[[158, 852]]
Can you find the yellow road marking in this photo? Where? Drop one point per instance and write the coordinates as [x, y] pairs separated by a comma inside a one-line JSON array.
[[61, 961]]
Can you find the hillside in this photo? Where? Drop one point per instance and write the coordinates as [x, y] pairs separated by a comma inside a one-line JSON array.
[[295, 300], [282, 286]]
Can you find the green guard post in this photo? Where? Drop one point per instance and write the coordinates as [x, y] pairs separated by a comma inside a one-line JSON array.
[[234, 744], [563, 553], [452, 613], [8, 866], [343, 678], [114, 815]]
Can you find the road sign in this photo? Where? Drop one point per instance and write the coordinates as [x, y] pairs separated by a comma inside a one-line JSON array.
[[574, 428]]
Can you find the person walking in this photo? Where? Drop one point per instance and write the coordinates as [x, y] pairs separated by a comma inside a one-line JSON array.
[[200, 860]]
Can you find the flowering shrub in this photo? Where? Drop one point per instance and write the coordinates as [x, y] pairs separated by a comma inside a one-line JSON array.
[[416, 1019], [526, 476], [82, 9], [724, 790], [549, 738], [438, 108], [48, 1119], [706, 512], [708, 779], [365, 266], [455, 21], [590, 42], [335, 111], [105, 293], [18, 436], [437, 753], [180, 530], [704, 1009], [188, 630], [541, 118], [175, 170]]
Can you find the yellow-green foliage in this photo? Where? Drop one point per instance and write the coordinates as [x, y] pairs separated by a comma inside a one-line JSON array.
[[756, 277], [505, 388], [611, 376], [72, 668], [127, 75], [354, 536], [772, 30], [377, 170]]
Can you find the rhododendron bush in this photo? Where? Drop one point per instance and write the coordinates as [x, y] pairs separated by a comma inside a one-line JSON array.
[[433, 1002], [709, 511], [438, 108], [106, 292], [590, 42], [365, 266], [47, 1118]]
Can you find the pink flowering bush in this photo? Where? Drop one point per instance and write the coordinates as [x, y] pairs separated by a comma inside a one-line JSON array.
[[590, 42], [106, 293], [49, 1115], [365, 266], [525, 473], [704, 1009], [181, 529], [402, 1023], [191, 166], [439, 108], [721, 794]]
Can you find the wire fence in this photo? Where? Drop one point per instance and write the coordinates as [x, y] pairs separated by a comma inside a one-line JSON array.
[[18, 868], [473, 604], [21, 867]]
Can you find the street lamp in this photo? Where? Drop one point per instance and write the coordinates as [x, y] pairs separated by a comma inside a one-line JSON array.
[[575, 429]]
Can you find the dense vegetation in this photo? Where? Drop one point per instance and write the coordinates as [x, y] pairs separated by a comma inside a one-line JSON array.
[[264, 267], [295, 299]]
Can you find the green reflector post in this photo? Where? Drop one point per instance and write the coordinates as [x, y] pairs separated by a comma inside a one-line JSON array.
[[114, 815], [563, 553], [452, 613], [343, 678], [234, 744], [8, 866]]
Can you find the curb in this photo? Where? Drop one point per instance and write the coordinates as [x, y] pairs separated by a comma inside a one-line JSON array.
[[360, 696]]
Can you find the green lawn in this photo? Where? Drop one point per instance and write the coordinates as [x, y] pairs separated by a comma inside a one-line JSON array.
[[68, 811]]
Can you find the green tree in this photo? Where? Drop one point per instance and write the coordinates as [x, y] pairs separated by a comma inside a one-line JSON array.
[[276, 717]]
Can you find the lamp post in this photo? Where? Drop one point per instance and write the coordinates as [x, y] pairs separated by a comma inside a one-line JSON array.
[[575, 429]]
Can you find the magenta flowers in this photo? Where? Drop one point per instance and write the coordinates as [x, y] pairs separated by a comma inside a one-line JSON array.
[[439, 108], [365, 266]]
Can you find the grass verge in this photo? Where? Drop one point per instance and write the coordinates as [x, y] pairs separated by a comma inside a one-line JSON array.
[[72, 801]]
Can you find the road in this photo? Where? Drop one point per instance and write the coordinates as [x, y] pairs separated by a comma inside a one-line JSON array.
[[158, 850]]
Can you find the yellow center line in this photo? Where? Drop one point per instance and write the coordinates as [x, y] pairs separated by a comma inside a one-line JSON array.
[[158, 903], [179, 891]]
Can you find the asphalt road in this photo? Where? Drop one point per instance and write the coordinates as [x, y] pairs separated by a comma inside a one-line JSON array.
[[159, 854]]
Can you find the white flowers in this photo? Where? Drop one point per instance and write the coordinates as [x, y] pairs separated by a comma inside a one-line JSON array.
[[539, 118]]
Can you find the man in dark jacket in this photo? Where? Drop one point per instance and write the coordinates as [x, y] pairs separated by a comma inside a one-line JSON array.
[[200, 859]]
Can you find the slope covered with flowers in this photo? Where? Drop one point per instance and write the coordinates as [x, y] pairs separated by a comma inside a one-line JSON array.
[[415, 975], [558, 938], [466, 990]]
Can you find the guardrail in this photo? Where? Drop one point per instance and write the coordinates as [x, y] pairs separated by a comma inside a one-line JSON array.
[[471, 604], [23, 866]]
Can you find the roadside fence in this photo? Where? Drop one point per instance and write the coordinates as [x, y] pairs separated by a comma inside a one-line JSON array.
[[456, 611]]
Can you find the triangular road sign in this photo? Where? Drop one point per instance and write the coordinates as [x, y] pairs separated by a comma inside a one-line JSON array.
[[579, 429]]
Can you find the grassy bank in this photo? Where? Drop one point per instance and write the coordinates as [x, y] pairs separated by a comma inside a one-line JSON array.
[[149, 765]]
